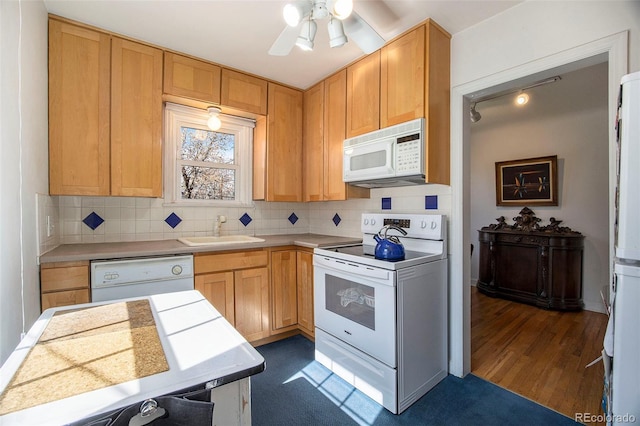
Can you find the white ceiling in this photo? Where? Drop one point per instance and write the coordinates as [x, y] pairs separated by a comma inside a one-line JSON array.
[[239, 33]]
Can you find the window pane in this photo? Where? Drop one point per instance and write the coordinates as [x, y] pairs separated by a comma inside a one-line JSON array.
[[207, 145], [208, 183]]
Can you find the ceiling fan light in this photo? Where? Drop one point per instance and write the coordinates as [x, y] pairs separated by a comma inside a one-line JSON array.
[[342, 8], [307, 34], [214, 122], [293, 13], [336, 33]]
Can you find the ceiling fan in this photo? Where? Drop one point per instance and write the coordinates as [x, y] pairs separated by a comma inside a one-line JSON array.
[[301, 17]]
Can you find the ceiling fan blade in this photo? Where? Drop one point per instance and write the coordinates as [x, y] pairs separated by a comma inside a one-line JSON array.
[[285, 41], [367, 39]]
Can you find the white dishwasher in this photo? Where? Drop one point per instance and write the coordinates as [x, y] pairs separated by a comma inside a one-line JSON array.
[[122, 278]]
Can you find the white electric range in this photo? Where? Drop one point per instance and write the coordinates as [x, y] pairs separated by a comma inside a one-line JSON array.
[[382, 325]]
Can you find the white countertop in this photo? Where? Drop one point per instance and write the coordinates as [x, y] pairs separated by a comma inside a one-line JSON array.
[[199, 345]]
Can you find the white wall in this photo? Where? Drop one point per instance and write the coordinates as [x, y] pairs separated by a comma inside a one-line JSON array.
[[569, 119], [23, 162], [518, 42]]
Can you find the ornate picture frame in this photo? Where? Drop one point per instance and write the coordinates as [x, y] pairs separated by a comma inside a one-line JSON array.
[[530, 181]]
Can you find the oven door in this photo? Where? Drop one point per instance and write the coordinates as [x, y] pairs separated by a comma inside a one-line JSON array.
[[373, 160], [357, 304]]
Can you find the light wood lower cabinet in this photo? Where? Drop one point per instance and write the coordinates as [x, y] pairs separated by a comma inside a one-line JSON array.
[[262, 293], [218, 289], [64, 283], [292, 290], [305, 291], [237, 285], [284, 289]]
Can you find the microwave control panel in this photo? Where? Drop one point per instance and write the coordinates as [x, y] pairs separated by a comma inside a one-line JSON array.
[[408, 159]]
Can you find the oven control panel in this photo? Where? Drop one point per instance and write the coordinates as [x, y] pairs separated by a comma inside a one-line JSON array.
[[402, 223], [423, 226]]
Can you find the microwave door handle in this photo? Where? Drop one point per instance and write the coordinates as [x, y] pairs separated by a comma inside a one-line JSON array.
[[360, 270]]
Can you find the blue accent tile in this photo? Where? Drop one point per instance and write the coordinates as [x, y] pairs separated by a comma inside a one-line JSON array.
[[93, 220], [431, 202], [245, 219], [386, 203], [336, 219], [173, 220], [293, 218]]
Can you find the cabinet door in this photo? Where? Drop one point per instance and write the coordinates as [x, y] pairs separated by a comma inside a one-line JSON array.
[[244, 92], [363, 95], [437, 104], [251, 290], [64, 298], [335, 107], [305, 291], [283, 284], [284, 144], [313, 144], [79, 92], [191, 78], [402, 79], [218, 290], [136, 119]]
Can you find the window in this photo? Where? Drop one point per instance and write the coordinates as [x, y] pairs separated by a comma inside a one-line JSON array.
[[203, 166]]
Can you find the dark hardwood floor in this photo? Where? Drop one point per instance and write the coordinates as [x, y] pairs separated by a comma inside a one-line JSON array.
[[539, 354]]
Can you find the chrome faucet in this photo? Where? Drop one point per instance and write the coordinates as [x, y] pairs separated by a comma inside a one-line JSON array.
[[217, 224]]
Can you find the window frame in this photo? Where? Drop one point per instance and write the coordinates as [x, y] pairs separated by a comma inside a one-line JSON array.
[[178, 116]]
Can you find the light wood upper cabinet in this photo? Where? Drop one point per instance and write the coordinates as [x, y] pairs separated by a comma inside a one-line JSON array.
[[244, 92], [415, 82], [323, 137], [190, 78], [402, 79], [105, 110], [363, 95], [79, 102], [279, 178], [313, 144], [136, 119]]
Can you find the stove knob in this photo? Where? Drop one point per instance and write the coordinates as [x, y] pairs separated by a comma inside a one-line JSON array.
[[176, 270], [373, 222], [366, 221], [423, 224]]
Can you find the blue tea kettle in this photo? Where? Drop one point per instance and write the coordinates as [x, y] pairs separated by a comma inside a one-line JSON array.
[[389, 248]]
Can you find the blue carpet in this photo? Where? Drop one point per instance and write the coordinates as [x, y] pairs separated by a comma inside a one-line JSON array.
[[296, 390]]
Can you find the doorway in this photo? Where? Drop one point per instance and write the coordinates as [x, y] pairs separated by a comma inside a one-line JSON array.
[[615, 47]]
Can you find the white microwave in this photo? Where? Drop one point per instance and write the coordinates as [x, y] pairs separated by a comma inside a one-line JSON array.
[[393, 156]]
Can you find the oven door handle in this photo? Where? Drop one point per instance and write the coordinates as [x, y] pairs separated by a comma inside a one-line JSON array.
[[353, 268]]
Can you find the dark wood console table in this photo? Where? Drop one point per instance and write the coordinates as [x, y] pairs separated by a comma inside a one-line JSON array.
[[541, 266]]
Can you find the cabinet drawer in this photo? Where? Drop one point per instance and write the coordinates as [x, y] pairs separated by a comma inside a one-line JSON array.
[[65, 278], [229, 261], [64, 298]]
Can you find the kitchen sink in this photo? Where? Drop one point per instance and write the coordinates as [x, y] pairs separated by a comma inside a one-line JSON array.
[[226, 239]]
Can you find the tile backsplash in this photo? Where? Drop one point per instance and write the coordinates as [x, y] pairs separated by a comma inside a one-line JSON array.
[[140, 219]]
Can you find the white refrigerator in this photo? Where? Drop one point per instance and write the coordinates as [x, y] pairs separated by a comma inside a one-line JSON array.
[[625, 378]]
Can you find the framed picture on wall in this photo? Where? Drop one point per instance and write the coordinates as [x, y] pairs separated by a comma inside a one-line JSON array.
[[531, 181]]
